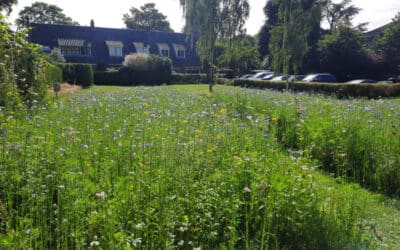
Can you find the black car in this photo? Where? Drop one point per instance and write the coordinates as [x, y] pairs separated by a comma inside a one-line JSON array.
[[323, 77], [394, 79]]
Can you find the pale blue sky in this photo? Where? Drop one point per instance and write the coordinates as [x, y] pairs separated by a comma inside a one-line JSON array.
[[109, 13]]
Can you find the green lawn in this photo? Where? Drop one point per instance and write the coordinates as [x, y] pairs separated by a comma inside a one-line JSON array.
[[176, 167]]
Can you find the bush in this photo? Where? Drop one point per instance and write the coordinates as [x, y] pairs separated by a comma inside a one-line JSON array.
[[77, 73], [52, 74], [21, 70], [188, 78], [139, 69], [340, 90]]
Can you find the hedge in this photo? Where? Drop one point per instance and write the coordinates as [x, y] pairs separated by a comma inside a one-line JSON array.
[[77, 73], [340, 90], [128, 77], [188, 78], [52, 74]]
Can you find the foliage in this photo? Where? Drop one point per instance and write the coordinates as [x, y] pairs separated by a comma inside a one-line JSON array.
[[144, 62], [289, 39], [271, 10], [52, 74], [77, 73], [239, 54], [7, 5], [22, 68], [389, 44], [188, 78], [40, 12], [56, 55], [339, 14], [210, 20], [139, 69], [147, 18], [342, 53], [162, 167]]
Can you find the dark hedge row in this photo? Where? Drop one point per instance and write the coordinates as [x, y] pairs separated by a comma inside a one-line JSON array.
[[340, 90], [129, 77], [77, 73], [53, 74]]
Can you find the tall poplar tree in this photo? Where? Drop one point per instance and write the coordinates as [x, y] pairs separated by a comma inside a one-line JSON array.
[[208, 20]]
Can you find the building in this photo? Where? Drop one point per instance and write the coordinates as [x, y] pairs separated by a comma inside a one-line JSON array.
[[107, 46]]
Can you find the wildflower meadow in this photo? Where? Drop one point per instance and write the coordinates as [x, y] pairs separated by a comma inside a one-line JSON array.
[[174, 167]]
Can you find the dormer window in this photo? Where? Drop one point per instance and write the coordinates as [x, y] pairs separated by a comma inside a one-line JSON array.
[[141, 49], [163, 48], [74, 47], [115, 48], [180, 50]]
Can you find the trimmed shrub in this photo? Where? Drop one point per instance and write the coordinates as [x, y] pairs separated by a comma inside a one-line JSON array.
[[340, 90], [139, 69], [77, 73], [52, 74], [188, 78]]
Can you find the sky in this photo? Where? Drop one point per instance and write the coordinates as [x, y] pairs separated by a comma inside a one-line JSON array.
[[109, 13]]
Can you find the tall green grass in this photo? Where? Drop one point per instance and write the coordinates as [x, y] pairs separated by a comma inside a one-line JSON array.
[[164, 168]]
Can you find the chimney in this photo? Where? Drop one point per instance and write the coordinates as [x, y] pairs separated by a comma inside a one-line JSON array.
[[92, 24]]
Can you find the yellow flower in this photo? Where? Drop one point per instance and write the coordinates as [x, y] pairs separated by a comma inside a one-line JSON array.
[[9, 93], [19, 105], [224, 111], [264, 111], [145, 105], [274, 119]]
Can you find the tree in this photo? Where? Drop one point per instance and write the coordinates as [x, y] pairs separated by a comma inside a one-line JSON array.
[[210, 20], [343, 53], [56, 55], [339, 14], [146, 18], [289, 39], [40, 12], [389, 44], [271, 10], [7, 5], [239, 54]]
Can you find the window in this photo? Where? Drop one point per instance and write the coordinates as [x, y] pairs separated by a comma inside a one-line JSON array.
[[115, 48], [74, 47], [180, 50], [141, 49], [164, 49]]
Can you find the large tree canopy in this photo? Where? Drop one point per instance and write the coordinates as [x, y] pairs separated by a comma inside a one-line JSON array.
[[6, 5], [290, 37], [389, 44], [45, 13], [339, 14], [213, 19], [146, 18]]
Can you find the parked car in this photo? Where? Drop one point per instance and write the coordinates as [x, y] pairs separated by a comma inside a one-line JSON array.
[[394, 79], [322, 77], [358, 81], [246, 76], [268, 77], [278, 78], [296, 78], [262, 74]]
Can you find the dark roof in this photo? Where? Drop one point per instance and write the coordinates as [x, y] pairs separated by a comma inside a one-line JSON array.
[[49, 34], [371, 36]]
